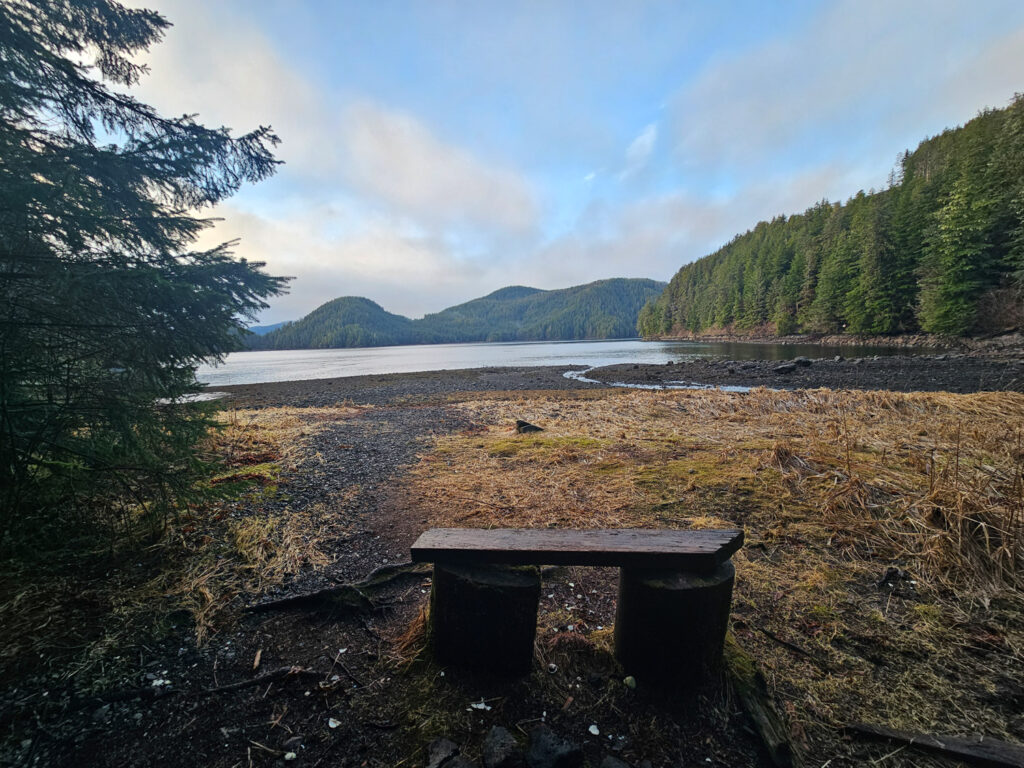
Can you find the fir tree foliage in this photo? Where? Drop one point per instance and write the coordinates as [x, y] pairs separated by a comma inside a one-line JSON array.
[[942, 242], [107, 309]]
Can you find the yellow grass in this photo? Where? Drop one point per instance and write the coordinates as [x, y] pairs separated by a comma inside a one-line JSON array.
[[831, 488], [932, 477]]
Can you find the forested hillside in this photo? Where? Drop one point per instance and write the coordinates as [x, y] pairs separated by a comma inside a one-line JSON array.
[[940, 250], [605, 309]]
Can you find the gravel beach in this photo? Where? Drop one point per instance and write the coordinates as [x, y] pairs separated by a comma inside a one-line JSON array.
[[944, 372]]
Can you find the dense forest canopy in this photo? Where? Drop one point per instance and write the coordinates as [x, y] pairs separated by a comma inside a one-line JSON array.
[[605, 309], [940, 250]]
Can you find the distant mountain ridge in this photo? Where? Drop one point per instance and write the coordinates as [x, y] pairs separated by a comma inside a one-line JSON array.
[[262, 330], [604, 309]]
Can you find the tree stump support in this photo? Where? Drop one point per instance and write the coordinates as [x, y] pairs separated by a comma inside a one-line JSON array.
[[484, 617], [670, 625]]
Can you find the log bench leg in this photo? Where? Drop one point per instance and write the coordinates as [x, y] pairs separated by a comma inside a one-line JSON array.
[[670, 625], [484, 617]]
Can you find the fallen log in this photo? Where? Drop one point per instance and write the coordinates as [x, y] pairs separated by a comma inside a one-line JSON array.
[[357, 597], [980, 751]]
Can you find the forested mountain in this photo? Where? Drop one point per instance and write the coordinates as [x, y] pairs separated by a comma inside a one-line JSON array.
[[605, 309], [940, 250], [261, 330]]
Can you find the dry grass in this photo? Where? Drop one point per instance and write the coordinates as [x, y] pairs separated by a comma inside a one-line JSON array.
[[935, 478], [239, 549], [832, 489], [197, 571]]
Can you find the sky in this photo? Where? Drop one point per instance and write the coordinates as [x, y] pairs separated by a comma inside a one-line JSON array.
[[437, 151]]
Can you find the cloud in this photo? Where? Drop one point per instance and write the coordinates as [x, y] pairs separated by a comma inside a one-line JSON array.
[[239, 80], [393, 188], [656, 235], [858, 80], [334, 251], [639, 151], [396, 158]]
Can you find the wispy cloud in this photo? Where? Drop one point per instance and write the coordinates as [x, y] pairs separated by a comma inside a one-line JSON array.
[[639, 151], [860, 78]]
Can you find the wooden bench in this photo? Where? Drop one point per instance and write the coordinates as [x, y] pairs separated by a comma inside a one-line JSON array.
[[675, 592]]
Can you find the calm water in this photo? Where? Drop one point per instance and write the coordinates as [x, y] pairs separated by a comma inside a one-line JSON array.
[[298, 364]]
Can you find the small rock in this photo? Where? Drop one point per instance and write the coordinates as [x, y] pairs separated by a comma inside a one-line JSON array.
[[290, 756], [613, 762], [552, 668], [803, 362], [857, 361], [440, 752], [101, 714], [501, 750], [594, 730], [549, 750], [629, 682], [838, 358], [785, 368], [525, 426]]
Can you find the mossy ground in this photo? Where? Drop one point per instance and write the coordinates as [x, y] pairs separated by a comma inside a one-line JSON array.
[[832, 488]]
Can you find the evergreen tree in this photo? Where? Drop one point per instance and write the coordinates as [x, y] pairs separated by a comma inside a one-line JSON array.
[[106, 308], [956, 264], [941, 248]]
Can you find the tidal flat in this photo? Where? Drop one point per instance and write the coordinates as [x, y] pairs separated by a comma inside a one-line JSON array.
[[880, 582]]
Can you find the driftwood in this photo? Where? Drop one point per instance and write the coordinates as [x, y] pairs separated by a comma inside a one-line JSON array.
[[277, 674], [357, 597], [980, 751], [749, 685], [152, 694]]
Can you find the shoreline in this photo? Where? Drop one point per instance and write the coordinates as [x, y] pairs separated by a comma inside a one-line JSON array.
[[1009, 342], [957, 372]]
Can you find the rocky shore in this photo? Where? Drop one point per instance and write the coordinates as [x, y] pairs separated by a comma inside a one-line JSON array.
[[947, 372], [950, 372], [998, 345]]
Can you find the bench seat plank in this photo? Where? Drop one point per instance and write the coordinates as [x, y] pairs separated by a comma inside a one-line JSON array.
[[626, 547]]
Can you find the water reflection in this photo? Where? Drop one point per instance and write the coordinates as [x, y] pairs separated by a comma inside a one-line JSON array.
[[298, 364]]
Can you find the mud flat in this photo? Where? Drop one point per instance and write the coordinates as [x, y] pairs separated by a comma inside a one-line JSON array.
[[958, 373]]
